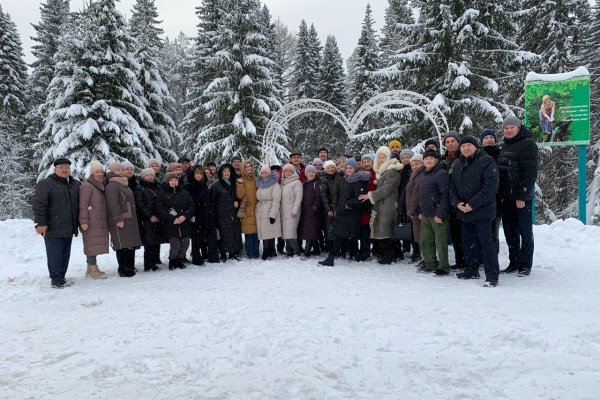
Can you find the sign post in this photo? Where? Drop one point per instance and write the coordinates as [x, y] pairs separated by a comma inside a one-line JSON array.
[[557, 111]]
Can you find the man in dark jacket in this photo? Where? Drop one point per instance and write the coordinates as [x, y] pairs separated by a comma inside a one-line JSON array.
[[518, 167], [489, 143], [56, 211], [434, 205], [452, 144], [473, 187]]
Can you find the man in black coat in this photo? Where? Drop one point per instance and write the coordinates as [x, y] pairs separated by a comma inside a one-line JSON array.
[[518, 167], [489, 143], [473, 187], [56, 211]]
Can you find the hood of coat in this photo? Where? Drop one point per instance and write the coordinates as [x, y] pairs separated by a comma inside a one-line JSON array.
[[391, 164], [360, 176], [292, 178], [268, 181]]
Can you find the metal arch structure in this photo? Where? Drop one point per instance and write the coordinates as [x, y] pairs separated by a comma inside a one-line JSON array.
[[410, 100]]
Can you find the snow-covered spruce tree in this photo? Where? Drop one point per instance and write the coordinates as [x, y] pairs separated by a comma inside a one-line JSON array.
[[96, 108], [332, 90], [159, 103], [303, 130], [204, 70], [285, 49], [54, 16], [15, 183], [398, 14], [459, 55], [242, 97], [591, 59], [178, 66]]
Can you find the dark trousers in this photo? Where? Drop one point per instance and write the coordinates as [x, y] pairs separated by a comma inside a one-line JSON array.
[[365, 240], [476, 238], [269, 248], [496, 233], [151, 254], [252, 244], [518, 230], [197, 241], [126, 261], [178, 248], [58, 252], [455, 236], [340, 243], [280, 245]]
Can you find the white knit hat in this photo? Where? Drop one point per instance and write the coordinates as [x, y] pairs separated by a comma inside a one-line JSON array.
[[95, 166]]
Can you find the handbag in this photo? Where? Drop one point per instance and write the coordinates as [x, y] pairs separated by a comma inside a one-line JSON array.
[[401, 231]]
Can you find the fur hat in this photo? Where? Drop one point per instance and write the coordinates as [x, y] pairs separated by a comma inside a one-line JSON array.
[[395, 143], [352, 162], [317, 161], [469, 139], [431, 153], [328, 163], [170, 175], [417, 157], [407, 152], [265, 168], [310, 168], [512, 120], [95, 166], [173, 166], [147, 171], [115, 166], [488, 132]]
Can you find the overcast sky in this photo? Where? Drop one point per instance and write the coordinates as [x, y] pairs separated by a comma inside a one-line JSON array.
[[341, 18]]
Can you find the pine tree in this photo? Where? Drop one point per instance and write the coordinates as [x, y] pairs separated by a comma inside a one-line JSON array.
[[14, 181], [242, 96], [285, 49], [398, 14], [178, 66], [159, 103], [96, 108]]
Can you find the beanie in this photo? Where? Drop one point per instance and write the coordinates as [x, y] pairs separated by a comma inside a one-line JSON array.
[[317, 161], [452, 134], [432, 142], [152, 161], [370, 156], [115, 166], [328, 163], [407, 152], [147, 171], [310, 168], [128, 165], [469, 139], [395, 143], [170, 175], [265, 168], [352, 162], [417, 157], [488, 132], [431, 153], [173, 166], [385, 150], [289, 166], [512, 120], [95, 166]]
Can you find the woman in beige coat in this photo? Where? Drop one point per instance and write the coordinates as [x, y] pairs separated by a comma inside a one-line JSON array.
[[93, 219], [268, 221], [291, 201], [246, 194]]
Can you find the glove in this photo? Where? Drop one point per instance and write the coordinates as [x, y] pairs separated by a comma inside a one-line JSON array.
[[272, 220]]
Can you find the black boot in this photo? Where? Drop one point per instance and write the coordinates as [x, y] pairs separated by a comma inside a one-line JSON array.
[[197, 260], [388, 251], [173, 264], [511, 269], [416, 255], [328, 262]]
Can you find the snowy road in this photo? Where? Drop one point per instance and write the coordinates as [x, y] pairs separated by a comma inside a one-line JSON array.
[[287, 329]]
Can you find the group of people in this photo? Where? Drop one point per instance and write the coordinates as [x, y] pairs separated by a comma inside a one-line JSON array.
[[345, 208]]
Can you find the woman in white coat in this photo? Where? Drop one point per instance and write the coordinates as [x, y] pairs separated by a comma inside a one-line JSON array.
[[291, 201], [268, 219]]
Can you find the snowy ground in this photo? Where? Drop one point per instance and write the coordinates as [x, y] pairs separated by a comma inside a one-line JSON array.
[[287, 329]]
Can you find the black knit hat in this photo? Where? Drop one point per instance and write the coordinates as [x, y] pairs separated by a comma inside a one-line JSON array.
[[469, 139], [431, 153], [488, 132], [433, 142]]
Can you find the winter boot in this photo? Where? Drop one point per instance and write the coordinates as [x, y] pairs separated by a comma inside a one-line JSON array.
[[468, 275], [173, 264], [328, 262], [88, 273], [95, 272], [416, 255], [197, 260], [388, 251], [511, 269]]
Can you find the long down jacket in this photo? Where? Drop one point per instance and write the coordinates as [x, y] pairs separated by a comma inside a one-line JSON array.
[[121, 208], [173, 203], [221, 198], [92, 211], [291, 201], [268, 197], [146, 194], [349, 208], [518, 167], [311, 210], [385, 198], [246, 187]]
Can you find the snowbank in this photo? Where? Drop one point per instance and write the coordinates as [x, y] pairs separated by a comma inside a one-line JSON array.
[[287, 329]]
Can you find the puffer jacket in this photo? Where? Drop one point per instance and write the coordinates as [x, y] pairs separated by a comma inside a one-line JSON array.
[[268, 196], [434, 195], [518, 167]]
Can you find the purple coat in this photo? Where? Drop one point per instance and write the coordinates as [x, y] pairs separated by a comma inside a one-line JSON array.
[[311, 214]]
